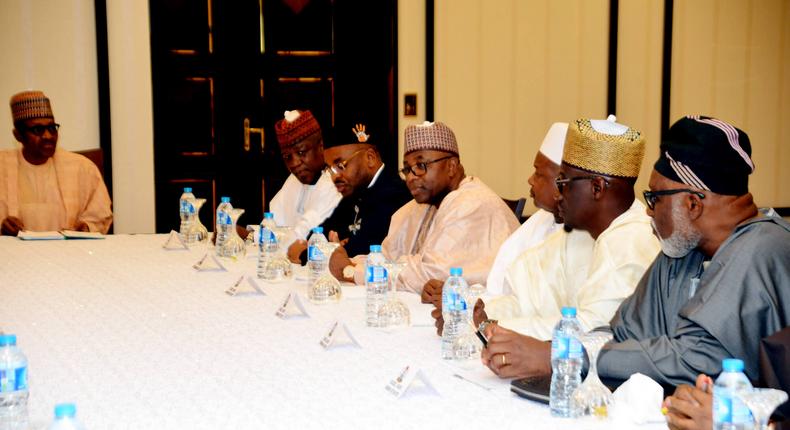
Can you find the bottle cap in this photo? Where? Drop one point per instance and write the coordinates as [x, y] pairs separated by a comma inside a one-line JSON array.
[[268, 215], [65, 410], [568, 311], [456, 271], [225, 199], [7, 339], [732, 365], [187, 189], [375, 248], [318, 230]]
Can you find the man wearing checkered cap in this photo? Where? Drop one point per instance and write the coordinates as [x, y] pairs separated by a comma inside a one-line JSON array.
[[721, 282], [455, 220], [43, 187]]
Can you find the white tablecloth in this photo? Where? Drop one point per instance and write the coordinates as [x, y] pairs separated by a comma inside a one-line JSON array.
[[137, 338]]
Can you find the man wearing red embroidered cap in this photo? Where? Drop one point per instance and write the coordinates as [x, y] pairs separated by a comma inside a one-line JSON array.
[[308, 196], [43, 187]]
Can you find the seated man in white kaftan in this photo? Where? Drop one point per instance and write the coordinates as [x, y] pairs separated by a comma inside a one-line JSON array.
[[455, 220]]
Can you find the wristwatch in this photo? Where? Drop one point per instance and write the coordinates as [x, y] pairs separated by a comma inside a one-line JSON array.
[[348, 272], [482, 327]]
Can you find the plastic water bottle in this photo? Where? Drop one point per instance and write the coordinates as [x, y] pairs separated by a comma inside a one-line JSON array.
[[224, 224], [566, 363], [13, 385], [65, 418], [187, 212], [267, 244], [729, 412], [454, 312], [315, 258], [375, 286]]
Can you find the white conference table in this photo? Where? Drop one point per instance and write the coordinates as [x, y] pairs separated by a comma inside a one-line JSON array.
[[137, 338]]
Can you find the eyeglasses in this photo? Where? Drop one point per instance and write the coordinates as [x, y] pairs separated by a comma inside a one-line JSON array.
[[561, 182], [421, 168], [340, 166], [651, 197], [39, 130]]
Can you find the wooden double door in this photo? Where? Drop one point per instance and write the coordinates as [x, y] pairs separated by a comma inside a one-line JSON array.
[[224, 71]]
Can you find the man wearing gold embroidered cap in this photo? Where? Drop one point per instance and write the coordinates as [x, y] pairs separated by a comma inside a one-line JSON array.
[[593, 265], [43, 187]]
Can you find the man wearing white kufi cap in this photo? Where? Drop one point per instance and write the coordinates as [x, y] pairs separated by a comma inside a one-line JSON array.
[[600, 164], [455, 220], [546, 219]]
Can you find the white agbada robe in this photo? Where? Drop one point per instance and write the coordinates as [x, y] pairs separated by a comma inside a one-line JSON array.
[[57, 195], [304, 206], [534, 231], [465, 231], [570, 269]]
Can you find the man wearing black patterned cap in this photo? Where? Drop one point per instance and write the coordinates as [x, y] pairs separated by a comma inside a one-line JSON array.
[[721, 282]]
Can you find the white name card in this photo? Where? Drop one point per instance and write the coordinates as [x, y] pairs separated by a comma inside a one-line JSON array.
[[292, 306], [174, 242], [209, 263], [336, 334], [407, 380], [238, 287]]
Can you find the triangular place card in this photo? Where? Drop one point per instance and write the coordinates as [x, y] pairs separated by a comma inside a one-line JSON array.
[[209, 263], [338, 335], [292, 306], [174, 242], [238, 287], [409, 379]]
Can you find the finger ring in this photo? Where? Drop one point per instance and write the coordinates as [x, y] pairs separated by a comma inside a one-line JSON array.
[[504, 360]]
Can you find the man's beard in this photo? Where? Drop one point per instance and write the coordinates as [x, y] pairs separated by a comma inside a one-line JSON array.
[[684, 237]]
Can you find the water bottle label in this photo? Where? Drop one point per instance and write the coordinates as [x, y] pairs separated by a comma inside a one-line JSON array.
[[565, 347], [13, 379], [376, 274], [266, 236], [453, 302], [223, 218], [187, 207], [729, 410], [313, 253]]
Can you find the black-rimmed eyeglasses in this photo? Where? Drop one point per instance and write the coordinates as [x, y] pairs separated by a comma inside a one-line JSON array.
[[340, 166], [561, 182], [39, 130], [651, 197], [421, 168]]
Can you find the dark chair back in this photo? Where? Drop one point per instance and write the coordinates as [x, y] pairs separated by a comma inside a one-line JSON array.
[[517, 206], [775, 368], [95, 155]]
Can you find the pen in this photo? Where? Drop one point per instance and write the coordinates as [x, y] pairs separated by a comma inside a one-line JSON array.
[[480, 336]]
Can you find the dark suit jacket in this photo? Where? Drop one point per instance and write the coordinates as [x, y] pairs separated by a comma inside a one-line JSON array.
[[775, 368], [364, 217]]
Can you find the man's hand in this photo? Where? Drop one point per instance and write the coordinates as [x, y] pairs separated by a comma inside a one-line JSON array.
[[436, 313], [11, 226], [478, 313], [334, 237], [511, 355], [691, 408], [296, 249], [337, 262], [81, 226], [432, 292]]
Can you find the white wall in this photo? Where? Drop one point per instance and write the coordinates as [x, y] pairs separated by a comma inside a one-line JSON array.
[[129, 45], [50, 45]]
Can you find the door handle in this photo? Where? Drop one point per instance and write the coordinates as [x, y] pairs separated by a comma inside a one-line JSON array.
[[247, 131]]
